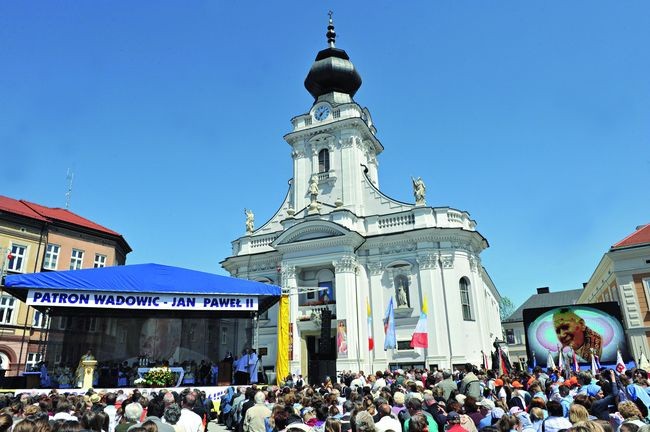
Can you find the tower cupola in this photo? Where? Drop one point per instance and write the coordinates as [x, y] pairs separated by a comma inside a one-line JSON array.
[[332, 70]]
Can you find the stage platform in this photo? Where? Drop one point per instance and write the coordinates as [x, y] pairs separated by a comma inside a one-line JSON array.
[[213, 392]]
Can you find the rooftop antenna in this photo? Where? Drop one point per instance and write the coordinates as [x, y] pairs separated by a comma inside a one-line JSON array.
[[69, 178]]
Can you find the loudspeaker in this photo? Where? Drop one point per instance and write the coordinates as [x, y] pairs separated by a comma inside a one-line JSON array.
[[325, 345]]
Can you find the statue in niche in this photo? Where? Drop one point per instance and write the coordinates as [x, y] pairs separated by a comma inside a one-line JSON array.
[[402, 297], [250, 221], [419, 190]]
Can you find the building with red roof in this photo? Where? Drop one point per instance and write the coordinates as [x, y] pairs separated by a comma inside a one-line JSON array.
[[35, 238], [623, 275]]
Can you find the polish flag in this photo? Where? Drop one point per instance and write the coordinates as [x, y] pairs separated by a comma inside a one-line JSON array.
[[420, 337], [371, 341]]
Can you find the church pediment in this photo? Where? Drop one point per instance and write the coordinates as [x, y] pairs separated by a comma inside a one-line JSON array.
[[312, 230]]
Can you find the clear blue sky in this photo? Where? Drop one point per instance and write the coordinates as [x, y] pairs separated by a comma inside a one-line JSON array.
[[532, 116]]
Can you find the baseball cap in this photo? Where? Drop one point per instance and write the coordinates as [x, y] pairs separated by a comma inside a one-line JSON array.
[[453, 416], [517, 384], [486, 403], [497, 413], [498, 382], [515, 410]]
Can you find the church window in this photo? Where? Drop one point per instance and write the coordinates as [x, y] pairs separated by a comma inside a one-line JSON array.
[[465, 299], [323, 161]]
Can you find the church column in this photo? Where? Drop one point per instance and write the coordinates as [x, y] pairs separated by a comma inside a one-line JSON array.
[[347, 308], [289, 284], [378, 308]]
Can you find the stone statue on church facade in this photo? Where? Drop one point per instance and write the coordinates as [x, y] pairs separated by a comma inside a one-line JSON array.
[[402, 297], [419, 190], [250, 221], [313, 188]]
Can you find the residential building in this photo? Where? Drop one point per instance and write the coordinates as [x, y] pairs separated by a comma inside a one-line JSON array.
[[623, 275], [513, 326], [36, 238], [344, 250]]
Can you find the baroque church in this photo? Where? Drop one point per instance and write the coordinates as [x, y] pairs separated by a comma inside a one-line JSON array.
[[343, 251]]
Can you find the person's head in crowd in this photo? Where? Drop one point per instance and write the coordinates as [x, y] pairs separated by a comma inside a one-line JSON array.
[[5, 422], [454, 405], [563, 390], [577, 414], [536, 414], [587, 426], [628, 427], [259, 397], [607, 426], [418, 423], [31, 410], [110, 398], [25, 425], [584, 400], [172, 414], [280, 418], [414, 405], [308, 415], [486, 406], [132, 412], [364, 422], [333, 425], [94, 421], [69, 426], [399, 398], [508, 423], [470, 405], [384, 410], [629, 411], [538, 402], [150, 426], [554, 409], [156, 407]]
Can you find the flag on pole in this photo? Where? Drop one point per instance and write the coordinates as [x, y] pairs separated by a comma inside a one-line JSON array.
[[560, 358], [576, 367], [550, 361], [283, 343], [371, 341], [503, 368], [420, 337], [534, 360], [643, 362], [486, 365], [597, 361], [620, 364], [390, 341]]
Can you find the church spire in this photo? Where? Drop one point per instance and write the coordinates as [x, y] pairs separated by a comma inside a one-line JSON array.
[[331, 34]]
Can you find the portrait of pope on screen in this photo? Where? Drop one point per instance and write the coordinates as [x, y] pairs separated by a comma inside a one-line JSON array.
[[572, 332]]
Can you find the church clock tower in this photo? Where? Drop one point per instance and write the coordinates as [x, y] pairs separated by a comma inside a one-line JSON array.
[[334, 144]]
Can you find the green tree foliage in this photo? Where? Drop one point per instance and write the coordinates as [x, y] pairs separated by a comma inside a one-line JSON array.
[[506, 308]]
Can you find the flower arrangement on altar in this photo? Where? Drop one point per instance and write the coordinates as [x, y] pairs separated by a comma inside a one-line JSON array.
[[157, 377]]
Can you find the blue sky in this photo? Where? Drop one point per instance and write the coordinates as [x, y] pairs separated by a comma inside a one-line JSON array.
[[532, 116]]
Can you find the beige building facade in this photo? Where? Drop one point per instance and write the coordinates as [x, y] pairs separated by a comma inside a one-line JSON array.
[[623, 275], [36, 238]]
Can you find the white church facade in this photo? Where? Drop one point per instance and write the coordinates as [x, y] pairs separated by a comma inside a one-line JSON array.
[[338, 243]]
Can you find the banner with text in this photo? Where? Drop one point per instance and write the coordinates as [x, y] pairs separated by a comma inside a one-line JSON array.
[[140, 300]]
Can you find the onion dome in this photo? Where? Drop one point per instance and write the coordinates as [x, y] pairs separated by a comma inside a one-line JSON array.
[[332, 70]]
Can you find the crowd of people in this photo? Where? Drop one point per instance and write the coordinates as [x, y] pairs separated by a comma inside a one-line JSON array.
[[397, 401], [160, 411], [463, 401]]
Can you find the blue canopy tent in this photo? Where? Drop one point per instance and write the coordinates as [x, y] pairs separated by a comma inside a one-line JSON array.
[[157, 308], [156, 288]]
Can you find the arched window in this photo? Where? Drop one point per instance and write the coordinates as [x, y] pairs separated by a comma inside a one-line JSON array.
[[464, 299], [323, 161]]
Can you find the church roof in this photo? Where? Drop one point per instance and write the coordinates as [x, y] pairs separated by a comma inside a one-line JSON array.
[[545, 299], [639, 237], [332, 70]]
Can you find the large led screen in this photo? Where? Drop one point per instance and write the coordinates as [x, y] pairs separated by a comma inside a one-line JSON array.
[[584, 329]]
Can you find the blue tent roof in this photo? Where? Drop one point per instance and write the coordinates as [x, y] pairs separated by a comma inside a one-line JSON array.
[[144, 278]]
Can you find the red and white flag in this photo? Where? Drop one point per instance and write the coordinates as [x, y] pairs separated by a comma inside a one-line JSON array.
[[420, 337], [576, 366], [620, 364]]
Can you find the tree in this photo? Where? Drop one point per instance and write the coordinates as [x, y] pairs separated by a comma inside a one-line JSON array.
[[506, 308]]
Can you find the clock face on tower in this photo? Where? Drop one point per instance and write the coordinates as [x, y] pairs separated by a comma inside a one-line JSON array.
[[322, 112]]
